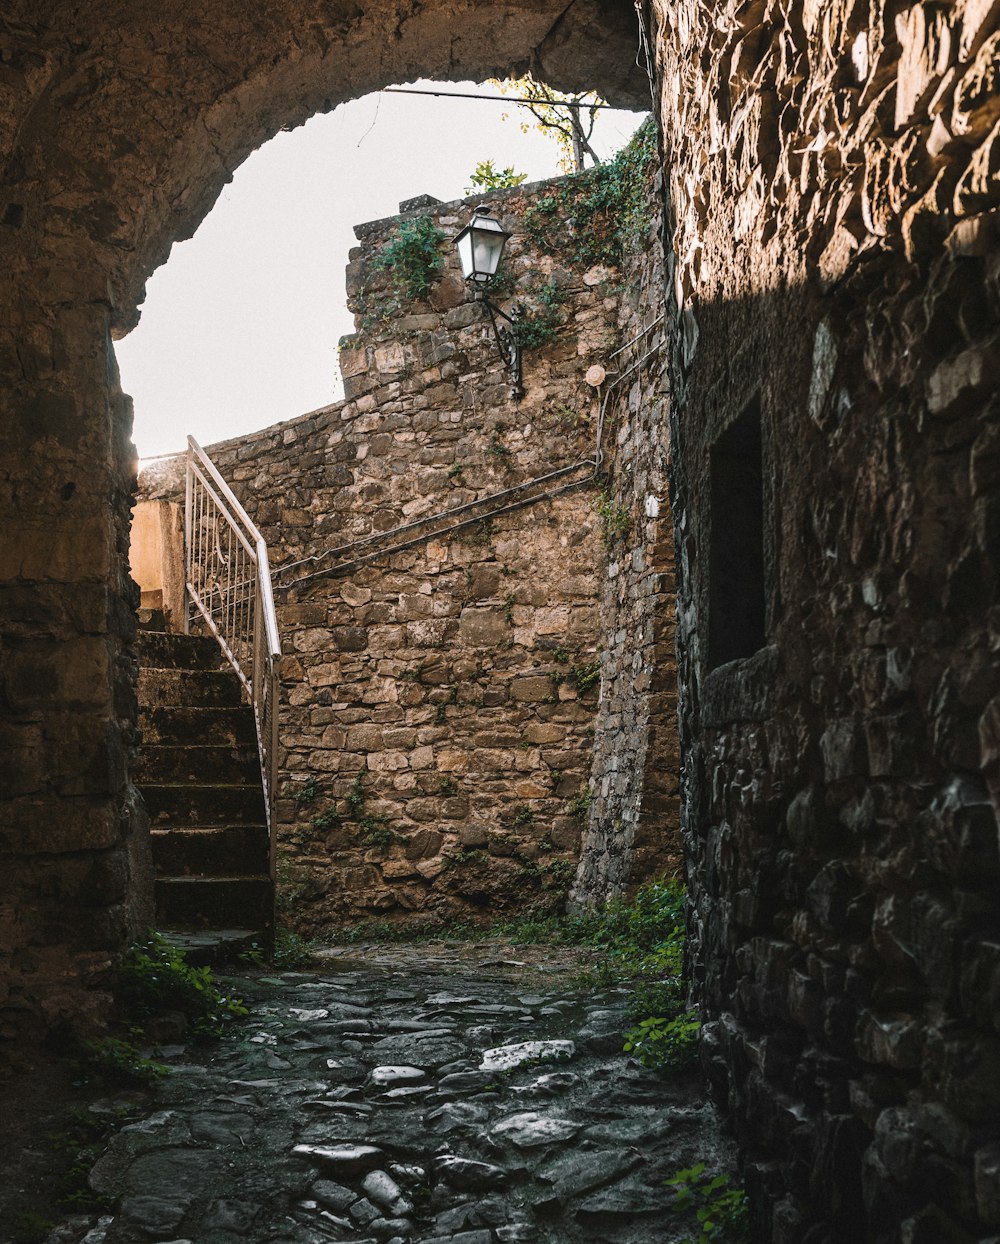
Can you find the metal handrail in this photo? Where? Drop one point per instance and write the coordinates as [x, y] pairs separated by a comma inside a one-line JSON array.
[[228, 581]]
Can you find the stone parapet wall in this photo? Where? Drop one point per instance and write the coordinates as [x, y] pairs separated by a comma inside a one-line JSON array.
[[438, 700], [834, 282]]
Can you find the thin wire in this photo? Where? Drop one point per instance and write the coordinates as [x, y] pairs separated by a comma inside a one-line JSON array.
[[612, 385], [431, 518], [638, 336], [378, 105], [496, 99], [341, 567], [644, 52]]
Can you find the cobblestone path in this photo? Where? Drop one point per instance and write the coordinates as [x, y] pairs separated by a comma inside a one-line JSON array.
[[409, 1096]]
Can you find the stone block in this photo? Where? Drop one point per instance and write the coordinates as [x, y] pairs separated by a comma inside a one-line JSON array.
[[533, 689], [987, 1184], [483, 627], [387, 762], [957, 383], [844, 750], [424, 844], [964, 1069]]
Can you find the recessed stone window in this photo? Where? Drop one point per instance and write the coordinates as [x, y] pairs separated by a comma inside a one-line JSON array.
[[737, 590]]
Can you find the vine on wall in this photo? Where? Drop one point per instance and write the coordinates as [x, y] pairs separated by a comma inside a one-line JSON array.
[[593, 217]]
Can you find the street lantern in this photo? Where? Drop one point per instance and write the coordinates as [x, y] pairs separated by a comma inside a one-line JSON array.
[[480, 248]]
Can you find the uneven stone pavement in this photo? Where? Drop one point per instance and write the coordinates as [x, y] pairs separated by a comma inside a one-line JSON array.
[[409, 1095]]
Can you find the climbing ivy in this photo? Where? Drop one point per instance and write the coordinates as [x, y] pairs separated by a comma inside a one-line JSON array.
[[541, 323], [596, 216], [410, 260]]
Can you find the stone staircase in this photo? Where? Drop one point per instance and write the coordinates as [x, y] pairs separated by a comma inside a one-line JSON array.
[[199, 774]]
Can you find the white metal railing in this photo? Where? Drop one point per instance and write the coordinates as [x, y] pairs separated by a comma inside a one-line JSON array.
[[228, 582]]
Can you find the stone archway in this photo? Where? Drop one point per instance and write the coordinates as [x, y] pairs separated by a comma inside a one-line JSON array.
[[834, 176], [119, 130]]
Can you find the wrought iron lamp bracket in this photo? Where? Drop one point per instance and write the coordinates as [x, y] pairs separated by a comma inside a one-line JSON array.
[[508, 342]]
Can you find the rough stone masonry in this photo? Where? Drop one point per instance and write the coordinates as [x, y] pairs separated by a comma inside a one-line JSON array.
[[438, 701], [830, 177], [834, 431]]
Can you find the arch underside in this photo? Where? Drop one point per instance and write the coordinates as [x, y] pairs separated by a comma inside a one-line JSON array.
[[133, 118]]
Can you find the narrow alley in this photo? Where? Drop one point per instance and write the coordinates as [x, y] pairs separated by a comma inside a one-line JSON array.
[[420, 1093]]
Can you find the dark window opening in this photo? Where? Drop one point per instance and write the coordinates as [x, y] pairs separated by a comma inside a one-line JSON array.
[[736, 603]]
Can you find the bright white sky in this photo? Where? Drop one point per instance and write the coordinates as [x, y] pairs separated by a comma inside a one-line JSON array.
[[239, 329]]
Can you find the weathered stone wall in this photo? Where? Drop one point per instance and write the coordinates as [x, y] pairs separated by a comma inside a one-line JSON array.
[[119, 126], [832, 171], [73, 847], [832, 174], [633, 826], [438, 701]]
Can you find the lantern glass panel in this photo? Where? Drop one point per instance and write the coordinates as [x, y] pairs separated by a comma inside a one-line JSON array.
[[487, 249], [480, 247], [465, 252]]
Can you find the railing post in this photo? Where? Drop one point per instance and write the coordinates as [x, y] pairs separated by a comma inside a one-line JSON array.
[[188, 551]]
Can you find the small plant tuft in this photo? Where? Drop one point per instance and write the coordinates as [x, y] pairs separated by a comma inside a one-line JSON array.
[[579, 805], [665, 1043], [485, 177], [615, 519], [496, 448], [585, 676], [291, 951], [356, 798], [412, 257], [721, 1208], [374, 831], [309, 791], [155, 977]]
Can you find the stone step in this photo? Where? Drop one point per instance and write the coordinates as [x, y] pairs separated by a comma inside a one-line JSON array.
[[188, 804], [207, 726], [200, 778], [190, 903], [211, 851], [152, 617], [164, 688], [216, 947], [163, 765], [161, 650]]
